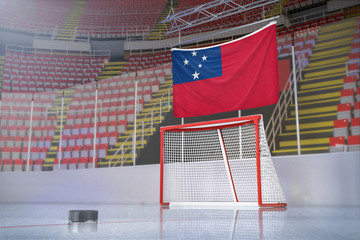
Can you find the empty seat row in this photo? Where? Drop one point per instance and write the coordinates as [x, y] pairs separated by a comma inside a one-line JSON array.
[[346, 135], [117, 87], [116, 94], [23, 152], [304, 42], [36, 16], [24, 141], [107, 19], [83, 151], [28, 96], [105, 116], [62, 57], [341, 144], [12, 64], [20, 119], [341, 127], [15, 130], [101, 127], [19, 165], [310, 24], [109, 138], [24, 72], [74, 163], [41, 105], [137, 63]]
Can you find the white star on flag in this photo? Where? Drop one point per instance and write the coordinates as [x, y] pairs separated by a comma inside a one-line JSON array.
[[196, 75], [194, 53], [204, 58], [199, 65], [186, 62]]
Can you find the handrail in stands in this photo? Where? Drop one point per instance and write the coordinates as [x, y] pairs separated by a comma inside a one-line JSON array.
[[118, 13], [151, 122], [57, 52], [274, 126]]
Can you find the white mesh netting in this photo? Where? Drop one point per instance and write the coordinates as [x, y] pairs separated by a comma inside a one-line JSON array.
[[195, 169]]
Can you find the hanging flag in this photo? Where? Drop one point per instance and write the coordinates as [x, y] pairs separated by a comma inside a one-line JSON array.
[[236, 75]]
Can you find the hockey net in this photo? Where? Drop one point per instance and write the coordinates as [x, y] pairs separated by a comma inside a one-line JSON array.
[[222, 161]]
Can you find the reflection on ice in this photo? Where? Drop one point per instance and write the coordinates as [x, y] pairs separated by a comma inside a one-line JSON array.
[[116, 221], [83, 227], [222, 224]]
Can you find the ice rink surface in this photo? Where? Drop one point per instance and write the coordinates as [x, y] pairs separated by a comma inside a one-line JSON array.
[[50, 221]]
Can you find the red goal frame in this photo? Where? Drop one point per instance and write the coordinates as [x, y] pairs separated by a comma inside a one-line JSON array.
[[231, 122]]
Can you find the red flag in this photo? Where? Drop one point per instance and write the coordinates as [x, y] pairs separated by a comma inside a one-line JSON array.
[[236, 75]]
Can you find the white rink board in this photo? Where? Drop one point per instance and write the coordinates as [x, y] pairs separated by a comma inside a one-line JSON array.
[[307, 180]]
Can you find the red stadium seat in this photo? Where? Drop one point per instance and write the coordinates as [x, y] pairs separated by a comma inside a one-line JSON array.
[[10, 141], [7, 165], [38, 165], [18, 165], [83, 162], [355, 126], [344, 111], [341, 128], [347, 96], [72, 140], [357, 109], [354, 143], [337, 144], [64, 164], [6, 152], [16, 152], [350, 82], [73, 164]]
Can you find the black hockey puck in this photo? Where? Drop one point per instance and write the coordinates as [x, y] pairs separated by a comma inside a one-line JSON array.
[[83, 215]]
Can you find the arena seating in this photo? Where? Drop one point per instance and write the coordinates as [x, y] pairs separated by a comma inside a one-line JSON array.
[[37, 16], [347, 124], [115, 113], [32, 72], [16, 134], [118, 18], [139, 62], [324, 93], [28, 73], [311, 25], [304, 41]]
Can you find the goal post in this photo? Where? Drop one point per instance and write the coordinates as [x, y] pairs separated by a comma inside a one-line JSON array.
[[221, 162]]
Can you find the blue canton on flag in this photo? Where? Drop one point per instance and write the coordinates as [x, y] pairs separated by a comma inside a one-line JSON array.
[[194, 65]]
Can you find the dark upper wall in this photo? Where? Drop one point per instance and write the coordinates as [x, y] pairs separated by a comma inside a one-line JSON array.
[[7, 37], [116, 47]]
